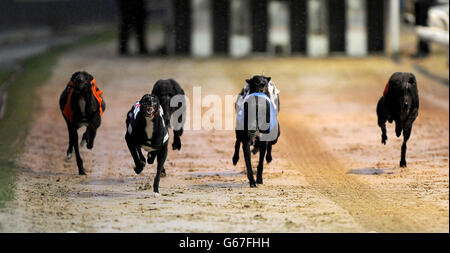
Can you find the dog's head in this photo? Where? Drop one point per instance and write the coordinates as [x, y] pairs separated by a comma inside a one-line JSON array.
[[149, 105], [258, 84], [404, 87], [82, 82]]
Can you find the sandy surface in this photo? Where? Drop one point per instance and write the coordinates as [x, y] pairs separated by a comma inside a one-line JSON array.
[[330, 172]]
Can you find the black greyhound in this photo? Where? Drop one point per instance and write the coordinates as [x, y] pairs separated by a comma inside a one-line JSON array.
[[146, 129], [248, 127], [165, 90], [81, 104], [399, 103]]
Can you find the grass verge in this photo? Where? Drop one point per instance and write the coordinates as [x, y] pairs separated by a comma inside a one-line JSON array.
[[21, 106]]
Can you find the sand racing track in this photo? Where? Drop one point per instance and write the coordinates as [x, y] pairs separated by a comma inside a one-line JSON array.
[[330, 172]]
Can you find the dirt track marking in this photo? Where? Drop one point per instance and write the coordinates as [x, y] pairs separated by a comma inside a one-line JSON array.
[[375, 209]]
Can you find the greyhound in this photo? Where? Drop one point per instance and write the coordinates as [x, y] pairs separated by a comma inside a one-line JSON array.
[[248, 125], [146, 129], [399, 103], [81, 104]]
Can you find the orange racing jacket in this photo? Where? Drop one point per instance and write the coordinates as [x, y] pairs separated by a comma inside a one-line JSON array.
[[68, 112]]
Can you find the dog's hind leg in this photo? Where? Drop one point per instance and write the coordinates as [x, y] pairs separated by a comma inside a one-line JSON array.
[[269, 153], [262, 154], [237, 146], [69, 152], [84, 139], [406, 135], [176, 139], [270, 144], [382, 120], [70, 148], [74, 137], [161, 158], [151, 157], [248, 163], [256, 146], [383, 131]]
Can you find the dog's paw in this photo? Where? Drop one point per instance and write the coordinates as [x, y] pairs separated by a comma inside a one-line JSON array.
[[268, 158], [253, 185], [403, 164], [163, 173], [176, 146], [151, 158], [383, 139], [68, 157], [255, 151], [156, 194], [235, 159], [398, 132], [138, 169], [81, 172], [259, 181]]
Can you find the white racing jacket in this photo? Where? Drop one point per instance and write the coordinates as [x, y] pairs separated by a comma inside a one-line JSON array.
[[149, 127], [273, 94]]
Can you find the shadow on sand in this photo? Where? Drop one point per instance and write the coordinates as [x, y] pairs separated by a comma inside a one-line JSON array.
[[370, 171]]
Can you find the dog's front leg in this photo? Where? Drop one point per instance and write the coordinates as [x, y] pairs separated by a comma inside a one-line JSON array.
[[74, 137], [248, 163], [406, 135], [237, 146], [161, 158], [262, 153], [141, 156], [398, 127], [269, 152], [139, 165]]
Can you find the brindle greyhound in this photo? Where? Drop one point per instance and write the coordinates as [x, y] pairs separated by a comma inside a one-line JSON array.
[[81, 104], [399, 103]]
